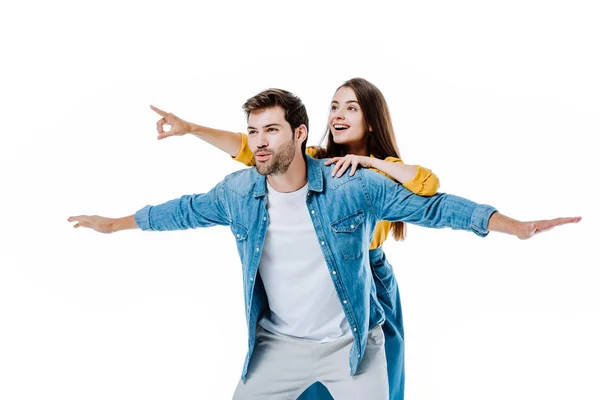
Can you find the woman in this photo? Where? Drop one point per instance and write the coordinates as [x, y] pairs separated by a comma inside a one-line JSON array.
[[359, 132]]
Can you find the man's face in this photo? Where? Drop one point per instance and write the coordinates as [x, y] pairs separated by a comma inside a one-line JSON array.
[[272, 141]]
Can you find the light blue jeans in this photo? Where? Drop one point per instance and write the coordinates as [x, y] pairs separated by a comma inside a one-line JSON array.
[[283, 367], [393, 329]]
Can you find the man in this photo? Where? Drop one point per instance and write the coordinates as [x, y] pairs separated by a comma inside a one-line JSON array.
[[303, 238]]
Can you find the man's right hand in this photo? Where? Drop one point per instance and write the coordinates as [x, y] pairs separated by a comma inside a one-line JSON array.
[[179, 127], [103, 224], [95, 222]]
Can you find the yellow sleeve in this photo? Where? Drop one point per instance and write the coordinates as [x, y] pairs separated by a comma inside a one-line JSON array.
[[425, 182], [245, 155], [314, 151]]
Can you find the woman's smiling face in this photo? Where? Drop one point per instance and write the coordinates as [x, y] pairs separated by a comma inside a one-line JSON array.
[[346, 119]]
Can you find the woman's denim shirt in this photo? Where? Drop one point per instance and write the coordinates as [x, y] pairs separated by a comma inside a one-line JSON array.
[[344, 212]]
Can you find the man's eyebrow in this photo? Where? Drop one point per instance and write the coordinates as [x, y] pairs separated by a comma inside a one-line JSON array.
[[266, 126]]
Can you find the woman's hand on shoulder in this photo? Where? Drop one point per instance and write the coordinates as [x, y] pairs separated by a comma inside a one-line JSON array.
[[343, 163]]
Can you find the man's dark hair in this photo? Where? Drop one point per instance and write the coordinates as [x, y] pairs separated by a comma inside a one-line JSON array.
[[295, 111]]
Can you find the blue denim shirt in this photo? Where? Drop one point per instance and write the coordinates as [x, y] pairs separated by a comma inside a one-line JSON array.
[[344, 213]]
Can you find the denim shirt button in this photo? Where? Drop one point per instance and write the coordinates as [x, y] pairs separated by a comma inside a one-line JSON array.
[[251, 279], [345, 301], [333, 272], [312, 212], [257, 249], [264, 218], [322, 243], [354, 329]]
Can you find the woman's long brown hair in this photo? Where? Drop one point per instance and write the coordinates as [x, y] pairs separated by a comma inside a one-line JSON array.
[[381, 140]]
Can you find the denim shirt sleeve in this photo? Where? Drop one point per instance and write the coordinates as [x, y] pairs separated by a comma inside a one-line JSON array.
[[392, 202], [186, 212]]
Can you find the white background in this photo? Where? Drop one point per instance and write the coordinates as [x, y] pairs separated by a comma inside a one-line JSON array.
[[500, 99]]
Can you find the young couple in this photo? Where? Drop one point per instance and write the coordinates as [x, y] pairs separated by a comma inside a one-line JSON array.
[[322, 303]]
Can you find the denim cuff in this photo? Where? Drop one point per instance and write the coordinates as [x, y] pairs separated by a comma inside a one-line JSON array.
[[480, 219], [142, 218]]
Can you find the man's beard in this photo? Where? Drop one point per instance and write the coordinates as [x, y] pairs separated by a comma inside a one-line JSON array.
[[280, 161]]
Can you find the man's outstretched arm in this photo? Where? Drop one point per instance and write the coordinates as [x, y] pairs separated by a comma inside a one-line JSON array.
[[392, 202], [186, 212], [103, 224], [525, 229]]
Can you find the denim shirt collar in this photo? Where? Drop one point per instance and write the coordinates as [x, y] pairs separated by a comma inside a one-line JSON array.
[[314, 173]]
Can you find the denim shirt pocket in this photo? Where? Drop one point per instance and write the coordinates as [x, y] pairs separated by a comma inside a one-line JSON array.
[[348, 235], [240, 232]]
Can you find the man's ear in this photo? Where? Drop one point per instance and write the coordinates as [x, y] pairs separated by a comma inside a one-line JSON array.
[[301, 133]]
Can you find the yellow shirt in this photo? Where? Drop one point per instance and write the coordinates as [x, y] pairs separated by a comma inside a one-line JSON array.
[[425, 183]]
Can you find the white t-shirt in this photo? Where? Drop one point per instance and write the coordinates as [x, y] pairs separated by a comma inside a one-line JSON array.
[[302, 298]]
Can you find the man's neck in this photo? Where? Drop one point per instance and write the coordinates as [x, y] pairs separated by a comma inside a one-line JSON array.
[[293, 179]]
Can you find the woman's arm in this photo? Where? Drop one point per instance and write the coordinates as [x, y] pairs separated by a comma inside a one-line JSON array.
[[417, 179], [229, 142]]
